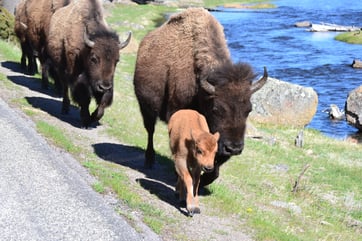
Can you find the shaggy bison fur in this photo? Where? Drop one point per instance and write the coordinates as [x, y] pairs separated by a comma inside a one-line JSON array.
[[185, 64], [37, 19], [28, 60], [84, 52]]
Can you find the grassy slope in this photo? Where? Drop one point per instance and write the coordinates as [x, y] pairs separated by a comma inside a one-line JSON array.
[[350, 37], [255, 185], [333, 177]]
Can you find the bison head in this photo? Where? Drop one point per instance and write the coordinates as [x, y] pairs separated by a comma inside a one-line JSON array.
[[101, 58], [225, 102]]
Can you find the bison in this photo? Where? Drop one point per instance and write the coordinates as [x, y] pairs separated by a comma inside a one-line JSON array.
[[186, 64], [193, 150], [28, 60], [84, 52], [37, 19]]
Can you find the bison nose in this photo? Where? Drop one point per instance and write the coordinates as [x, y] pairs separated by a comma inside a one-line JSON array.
[[231, 148], [104, 86], [207, 168]]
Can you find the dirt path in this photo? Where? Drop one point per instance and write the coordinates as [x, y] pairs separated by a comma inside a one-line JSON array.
[[155, 186]]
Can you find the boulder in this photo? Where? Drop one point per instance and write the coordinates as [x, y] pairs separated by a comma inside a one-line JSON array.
[[357, 64], [283, 103], [353, 108], [303, 24]]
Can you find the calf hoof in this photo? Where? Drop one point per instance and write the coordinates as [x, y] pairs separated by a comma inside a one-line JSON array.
[[194, 210]]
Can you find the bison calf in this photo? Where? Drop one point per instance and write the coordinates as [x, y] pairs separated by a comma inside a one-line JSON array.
[[193, 151]]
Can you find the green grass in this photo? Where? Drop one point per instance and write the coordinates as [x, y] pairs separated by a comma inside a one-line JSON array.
[[350, 37], [329, 193], [57, 136]]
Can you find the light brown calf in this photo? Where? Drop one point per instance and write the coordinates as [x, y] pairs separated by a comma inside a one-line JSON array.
[[193, 150]]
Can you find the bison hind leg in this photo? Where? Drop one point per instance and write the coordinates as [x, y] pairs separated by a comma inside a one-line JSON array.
[[149, 123]]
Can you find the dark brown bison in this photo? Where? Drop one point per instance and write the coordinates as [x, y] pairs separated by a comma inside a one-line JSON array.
[[193, 150], [84, 52], [37, 19], [185, 63], [28, 60]]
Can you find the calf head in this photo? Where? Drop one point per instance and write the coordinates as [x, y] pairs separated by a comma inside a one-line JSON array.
[[205, 148], [225, 102], [101, 58]]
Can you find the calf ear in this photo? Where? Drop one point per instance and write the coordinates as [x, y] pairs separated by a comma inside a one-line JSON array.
[[192, 137], [217, 136]]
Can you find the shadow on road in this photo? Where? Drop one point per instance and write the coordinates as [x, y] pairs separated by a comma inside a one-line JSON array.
[[53, 108], [28, 81], [159, 180], [51, 105], [13, 66]]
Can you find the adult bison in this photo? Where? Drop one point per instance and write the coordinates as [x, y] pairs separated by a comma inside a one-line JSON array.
[[36, 18], [84, 52], [185, 63], [28, 60]]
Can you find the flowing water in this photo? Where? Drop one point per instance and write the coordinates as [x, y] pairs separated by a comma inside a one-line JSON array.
[[267, 37]]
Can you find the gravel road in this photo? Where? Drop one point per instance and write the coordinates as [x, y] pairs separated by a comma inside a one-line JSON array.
[[45, 194]]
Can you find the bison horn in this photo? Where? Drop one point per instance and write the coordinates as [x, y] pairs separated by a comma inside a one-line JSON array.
[[87, 41], [260, 83], [125, 43], [205, 85], [24, 25]]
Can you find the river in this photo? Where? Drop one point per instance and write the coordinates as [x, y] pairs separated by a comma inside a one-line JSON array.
[[267, 37]]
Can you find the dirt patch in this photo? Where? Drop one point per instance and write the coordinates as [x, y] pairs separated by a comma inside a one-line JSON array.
[[155, 186]]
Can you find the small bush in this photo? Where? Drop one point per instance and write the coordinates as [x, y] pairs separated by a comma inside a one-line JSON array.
[[7, 25]]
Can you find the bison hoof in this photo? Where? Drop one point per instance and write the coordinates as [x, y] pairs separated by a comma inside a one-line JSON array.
[[194, 210], [44, 85]]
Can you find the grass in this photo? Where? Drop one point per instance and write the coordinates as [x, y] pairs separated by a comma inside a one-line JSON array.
[[57, 136], [350, 37], [255, 186]]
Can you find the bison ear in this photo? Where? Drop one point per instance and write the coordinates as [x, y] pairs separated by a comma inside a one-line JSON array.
[[260, 83], [126, 42], [217, 136], [206, 86]]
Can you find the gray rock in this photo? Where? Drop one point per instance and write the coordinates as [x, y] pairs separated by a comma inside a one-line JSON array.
[[353, 108], [303, 24], [357, 64], [283, 103]]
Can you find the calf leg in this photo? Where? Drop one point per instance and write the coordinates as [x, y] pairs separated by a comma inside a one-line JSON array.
[[180, 188], [196, 182], [191, 206]]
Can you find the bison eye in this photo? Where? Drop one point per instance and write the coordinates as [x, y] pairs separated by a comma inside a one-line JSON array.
[[94, 60], [198, 151]]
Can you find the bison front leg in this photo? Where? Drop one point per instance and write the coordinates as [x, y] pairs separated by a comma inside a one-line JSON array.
[[66, 100], [208, 177], [103, 100], [81, 95]]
